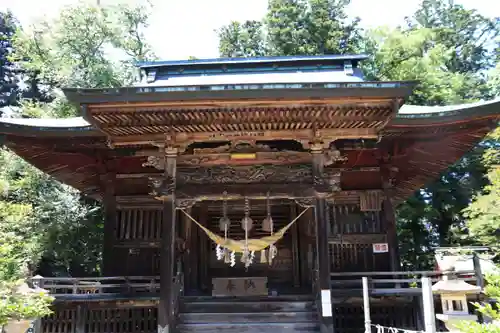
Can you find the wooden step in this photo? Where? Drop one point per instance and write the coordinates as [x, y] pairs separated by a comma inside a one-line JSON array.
[[249, 328], [250, 317]]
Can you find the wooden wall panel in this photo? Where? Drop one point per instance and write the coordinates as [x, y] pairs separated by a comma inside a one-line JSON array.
[[139, 225], [352, 234], [348, 219], [60, 321], [102, 320], [350, 318], [137, 236], [121, 320]]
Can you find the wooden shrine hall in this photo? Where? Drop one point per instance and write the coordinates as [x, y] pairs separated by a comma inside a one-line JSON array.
[[237, 192]]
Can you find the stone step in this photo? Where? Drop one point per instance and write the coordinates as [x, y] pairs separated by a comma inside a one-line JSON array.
[[282, 298], [250, 317], [249, 328], [245, 306]]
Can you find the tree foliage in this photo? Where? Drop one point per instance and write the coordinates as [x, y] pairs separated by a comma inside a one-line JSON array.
[[293, 27], [492, 290], [62, 230], [85, 46], [9, 87], [47, 227], [483, 214]]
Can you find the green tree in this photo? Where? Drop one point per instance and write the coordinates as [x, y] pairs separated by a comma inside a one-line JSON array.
[[242, 40], [483, 214], [492, 290], [398, 54], [465, 31], [9, 88], [85, 46], [19, 247], [73, 50], [293, 27], [52, 230]]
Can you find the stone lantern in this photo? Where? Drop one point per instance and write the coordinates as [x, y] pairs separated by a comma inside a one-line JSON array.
[[454, 301]]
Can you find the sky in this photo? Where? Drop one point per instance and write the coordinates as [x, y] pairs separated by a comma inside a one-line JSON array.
[[182, 28]]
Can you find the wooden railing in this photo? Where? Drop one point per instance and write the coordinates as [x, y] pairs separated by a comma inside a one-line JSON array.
[[99, 286], [380, 283], [385, 283]]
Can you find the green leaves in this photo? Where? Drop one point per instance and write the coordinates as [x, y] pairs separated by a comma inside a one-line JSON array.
[[242, 40], [492, 290], [16, 304], [74, 49], [293, 27]]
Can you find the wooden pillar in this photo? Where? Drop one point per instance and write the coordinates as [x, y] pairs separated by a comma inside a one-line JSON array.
[[295, 248], [303, 236], [390, 219], [205, 253], [195, 254], [167, 244], [322, 253], [80, 319], [188, 255], [110, 220]]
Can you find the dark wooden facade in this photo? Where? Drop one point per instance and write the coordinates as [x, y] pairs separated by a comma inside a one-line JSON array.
[[343, 149]]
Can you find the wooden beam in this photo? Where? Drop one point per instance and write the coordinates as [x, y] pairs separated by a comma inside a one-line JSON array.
[[184, 139], [214, 117], [240, 191], [131, 107], [138, 175]]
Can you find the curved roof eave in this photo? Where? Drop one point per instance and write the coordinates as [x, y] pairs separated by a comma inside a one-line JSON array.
[[415, 115], [76, 126], [408, 115]]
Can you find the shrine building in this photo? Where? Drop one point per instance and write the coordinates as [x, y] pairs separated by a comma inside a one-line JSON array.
[[245, 195]]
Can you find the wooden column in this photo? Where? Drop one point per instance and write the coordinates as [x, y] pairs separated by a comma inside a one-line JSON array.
[[167, 244], [195, 255], [205, 252], [390, 218], [303, 237], [295, 248], [188, 255], [322, 253], [110, 218]]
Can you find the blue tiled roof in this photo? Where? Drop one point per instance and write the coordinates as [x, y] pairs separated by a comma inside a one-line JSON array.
[[252, 60]]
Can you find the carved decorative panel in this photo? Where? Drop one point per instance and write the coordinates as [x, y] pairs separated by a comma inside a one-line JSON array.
[[298, 173]]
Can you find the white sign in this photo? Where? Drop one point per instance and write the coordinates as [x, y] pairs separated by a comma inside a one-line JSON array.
[[326, 309], [326, 296], [380, 248], [326, 303]]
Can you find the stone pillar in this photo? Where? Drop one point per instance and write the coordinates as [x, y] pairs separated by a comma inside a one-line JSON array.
[[322, 233], [167, 245]]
